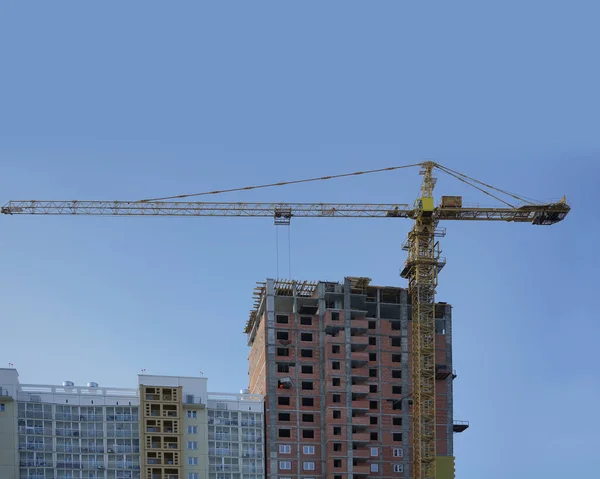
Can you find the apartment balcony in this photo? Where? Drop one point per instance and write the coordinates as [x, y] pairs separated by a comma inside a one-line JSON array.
[[359, 358], [35, 446], [360, 389], [46, 464], [339, 338], [363, 469], [124, 465], [460, 426], [361, 453], [359, 343], [152, 397], [362, 405], [442, 371], [360, 421], [361, 437], [360, 374], [359, 326], [40, 431]]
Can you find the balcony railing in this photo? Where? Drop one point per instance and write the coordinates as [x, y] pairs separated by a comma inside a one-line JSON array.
[[36, 464], [35, 415], [40, 431], [34, 446]]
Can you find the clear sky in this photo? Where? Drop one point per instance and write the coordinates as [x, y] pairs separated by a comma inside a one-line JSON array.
[[128, 100]]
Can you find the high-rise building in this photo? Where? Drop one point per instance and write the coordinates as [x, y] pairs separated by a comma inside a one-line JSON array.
[[333, 362], [169, 427]]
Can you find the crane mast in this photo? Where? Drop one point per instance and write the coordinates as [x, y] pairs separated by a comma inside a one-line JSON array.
[[420, 269]]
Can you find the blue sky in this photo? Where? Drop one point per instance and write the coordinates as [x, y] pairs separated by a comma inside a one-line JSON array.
[[142, 99]]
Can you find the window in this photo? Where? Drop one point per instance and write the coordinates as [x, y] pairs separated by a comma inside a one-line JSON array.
[[192, 445], [396, 341], [372, 325], [397, 404], [283, 368], [335, 349], [308, 401], [283, 335], [337, 477], [335, 316], [373, 405], [374, 436], [308, 417], [192, 429], [397, 421], [283, 400], [337, 398], [307, 385], [281, 319], [395, 325], [191, 414], [308, 433], [283, 351], [374, 467], [192, 475], [306, 353], [285, 433], [336, 382], [372, 341], [308, 449], [308, 466], [285, 449], [193, 461], [337, 447], [396, 358], [372, 373], [335, 365], [337, 463], [2, 407], [305, 320], [337, 431], [396, 373], [396, 389], [284, 416], [372, 356], [398, 467], [306, 337], [397, 437], [373, 420], [374, 452], [285, 465], [372, 388], [307, 369], [398, 452], [337, 414]]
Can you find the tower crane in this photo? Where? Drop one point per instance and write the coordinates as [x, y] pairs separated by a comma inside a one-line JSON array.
[[421, 268]]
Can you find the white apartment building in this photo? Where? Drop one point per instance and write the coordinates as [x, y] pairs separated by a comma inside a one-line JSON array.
[[168, 427]]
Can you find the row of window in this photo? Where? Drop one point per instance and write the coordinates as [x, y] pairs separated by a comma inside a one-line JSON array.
[[335, 348], [335, 316], [337, 431], [310, 466], [337, 398], [284, 319], [336, 365], [306, 466]]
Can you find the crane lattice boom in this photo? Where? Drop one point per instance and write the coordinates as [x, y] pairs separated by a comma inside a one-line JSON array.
[[538, 214]]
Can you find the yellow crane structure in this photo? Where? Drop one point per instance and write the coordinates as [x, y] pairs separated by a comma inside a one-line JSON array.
[[421, 268]]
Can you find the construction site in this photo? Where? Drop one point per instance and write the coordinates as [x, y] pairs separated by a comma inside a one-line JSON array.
[[348, 379]]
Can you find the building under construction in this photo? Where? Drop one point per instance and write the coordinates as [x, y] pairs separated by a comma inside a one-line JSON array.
[[334, 364]]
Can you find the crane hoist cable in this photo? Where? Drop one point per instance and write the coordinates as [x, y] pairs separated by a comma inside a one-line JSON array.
[[282, 183]]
